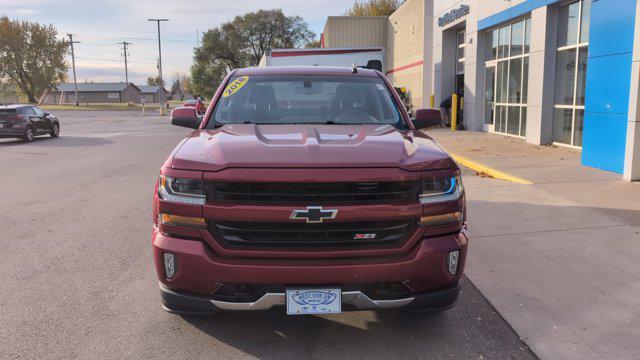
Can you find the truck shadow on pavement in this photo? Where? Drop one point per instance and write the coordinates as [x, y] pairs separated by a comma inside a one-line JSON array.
[[470, 330]]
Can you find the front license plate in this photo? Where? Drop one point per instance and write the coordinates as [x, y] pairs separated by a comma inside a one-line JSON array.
[[313, 301]]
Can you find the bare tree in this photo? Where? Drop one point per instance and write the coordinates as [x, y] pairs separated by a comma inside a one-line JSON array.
[[178, 85]]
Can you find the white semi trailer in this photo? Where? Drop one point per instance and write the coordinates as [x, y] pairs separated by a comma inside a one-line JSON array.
[[369, 57]]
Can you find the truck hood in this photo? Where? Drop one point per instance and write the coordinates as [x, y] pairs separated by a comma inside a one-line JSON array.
[[308, 146]]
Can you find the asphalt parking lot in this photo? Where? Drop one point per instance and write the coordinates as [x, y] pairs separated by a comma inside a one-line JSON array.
[[78, 278]]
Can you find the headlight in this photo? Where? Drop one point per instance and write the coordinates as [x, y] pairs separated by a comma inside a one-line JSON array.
[[441, 189], [181, 190]]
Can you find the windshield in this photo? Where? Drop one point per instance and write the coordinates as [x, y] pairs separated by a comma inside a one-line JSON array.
[[304, 99]]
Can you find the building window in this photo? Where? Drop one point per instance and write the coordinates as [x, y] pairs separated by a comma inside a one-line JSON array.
[[113, 95], [571, 72], [507, 52], [460, 41]]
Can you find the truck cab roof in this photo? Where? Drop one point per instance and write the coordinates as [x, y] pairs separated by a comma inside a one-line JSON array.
[[305, 70]]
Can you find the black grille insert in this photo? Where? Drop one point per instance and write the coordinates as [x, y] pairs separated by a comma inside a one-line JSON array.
[[300, 234], [314, 192]]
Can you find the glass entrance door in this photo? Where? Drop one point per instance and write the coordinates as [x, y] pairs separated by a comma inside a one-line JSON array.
[[489, 97]]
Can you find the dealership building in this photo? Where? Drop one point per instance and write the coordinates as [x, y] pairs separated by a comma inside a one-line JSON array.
[[544, 71]]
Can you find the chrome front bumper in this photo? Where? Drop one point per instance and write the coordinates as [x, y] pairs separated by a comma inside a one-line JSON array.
[[354, 298], [176, 302]]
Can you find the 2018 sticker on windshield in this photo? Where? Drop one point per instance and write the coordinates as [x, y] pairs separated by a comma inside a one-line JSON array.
[[235, 85]]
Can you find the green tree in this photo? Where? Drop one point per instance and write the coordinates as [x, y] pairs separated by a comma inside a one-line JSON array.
[[205, 77], [31, 56], [374, 7], [242, 42], [313, 44]]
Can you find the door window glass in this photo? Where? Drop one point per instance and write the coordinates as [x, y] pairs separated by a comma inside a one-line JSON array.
[[38, 112], [28, 111], [489, 94], [501, 93], [565, 76], [562, 121], [510, 69], [513, 120], [523, 121], [525, 80], [515, 80]]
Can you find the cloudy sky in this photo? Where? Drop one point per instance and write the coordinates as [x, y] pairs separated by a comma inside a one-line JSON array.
[[100, 25]]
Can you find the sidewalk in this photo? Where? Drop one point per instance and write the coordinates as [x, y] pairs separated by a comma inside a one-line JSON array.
[[560, 258]]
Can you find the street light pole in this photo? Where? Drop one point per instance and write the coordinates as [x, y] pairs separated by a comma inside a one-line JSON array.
[[160, 61]]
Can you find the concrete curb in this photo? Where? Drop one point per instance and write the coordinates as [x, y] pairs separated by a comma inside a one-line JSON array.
[[483, 169]]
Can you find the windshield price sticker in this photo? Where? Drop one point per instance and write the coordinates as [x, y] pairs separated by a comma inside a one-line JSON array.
[[234, 86]]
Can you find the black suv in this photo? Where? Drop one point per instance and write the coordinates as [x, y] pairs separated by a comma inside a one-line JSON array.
[[26, 122]]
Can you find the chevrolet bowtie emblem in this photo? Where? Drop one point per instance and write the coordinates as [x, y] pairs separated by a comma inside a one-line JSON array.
[[313, 214]]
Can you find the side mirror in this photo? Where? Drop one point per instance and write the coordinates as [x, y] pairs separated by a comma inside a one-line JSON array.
[[427, 118], [185, 117], [374, 65]]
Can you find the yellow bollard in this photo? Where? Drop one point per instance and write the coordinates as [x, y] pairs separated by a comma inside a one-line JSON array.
[[454, 112], [432, 101]]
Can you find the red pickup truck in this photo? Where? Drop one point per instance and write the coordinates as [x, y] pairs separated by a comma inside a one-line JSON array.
[[310, 189]]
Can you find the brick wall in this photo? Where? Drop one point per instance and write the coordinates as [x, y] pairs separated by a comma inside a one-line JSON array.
[[405, 50]]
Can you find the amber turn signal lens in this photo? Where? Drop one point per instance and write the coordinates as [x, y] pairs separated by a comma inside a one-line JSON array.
[[177, 220], [443, 219]]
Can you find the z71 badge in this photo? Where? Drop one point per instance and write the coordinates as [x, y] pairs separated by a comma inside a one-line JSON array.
[[364, 236]]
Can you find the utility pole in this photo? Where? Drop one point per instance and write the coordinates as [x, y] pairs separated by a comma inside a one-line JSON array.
[[126, 70], [197, 37], [160, 61], [73, 63]]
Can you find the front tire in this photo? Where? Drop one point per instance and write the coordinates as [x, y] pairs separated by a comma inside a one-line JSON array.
[[55, 131], [28, 134]]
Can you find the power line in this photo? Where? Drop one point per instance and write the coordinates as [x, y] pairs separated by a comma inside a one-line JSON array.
[[103, 64], [129, 61], [132, 38]]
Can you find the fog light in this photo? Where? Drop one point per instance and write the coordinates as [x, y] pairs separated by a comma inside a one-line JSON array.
[[169, 265], [452, 262]]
